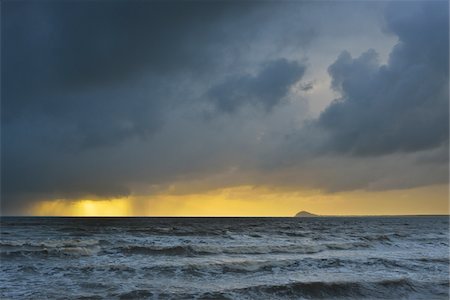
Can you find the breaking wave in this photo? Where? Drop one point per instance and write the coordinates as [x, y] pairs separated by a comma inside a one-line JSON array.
[[386, 289]]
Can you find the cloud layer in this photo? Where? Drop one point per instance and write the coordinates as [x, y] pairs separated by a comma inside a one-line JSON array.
[[401, 106], [265, 89], [146, 97]]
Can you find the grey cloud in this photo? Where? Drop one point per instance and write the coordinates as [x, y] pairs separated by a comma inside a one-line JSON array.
[[401, 106], [94, 74], [307, 86], [104, 72], [265, 89], [79, 79], [99, 98], [389, 127], [62, 64], [91, 43]]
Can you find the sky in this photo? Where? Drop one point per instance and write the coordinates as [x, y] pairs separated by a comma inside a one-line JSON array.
[[224, 108]]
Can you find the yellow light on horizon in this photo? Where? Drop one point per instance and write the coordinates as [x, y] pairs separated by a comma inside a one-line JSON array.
[[263, 201], [84, 208]]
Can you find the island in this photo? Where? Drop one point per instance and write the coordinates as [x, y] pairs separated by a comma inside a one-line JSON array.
[[305, 214]]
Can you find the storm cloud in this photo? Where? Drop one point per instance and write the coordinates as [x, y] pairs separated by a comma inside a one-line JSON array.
[[108, 99], [266, 89], [400, 106]]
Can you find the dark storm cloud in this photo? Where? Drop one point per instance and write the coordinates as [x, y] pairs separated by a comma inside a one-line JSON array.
[[86, 43], [81, 77], [401, 106], [99, 98], [87, 74], [265, 89], [52, 49], [102, 72]]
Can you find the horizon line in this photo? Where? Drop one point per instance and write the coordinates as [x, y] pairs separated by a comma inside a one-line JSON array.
[[168, 216]]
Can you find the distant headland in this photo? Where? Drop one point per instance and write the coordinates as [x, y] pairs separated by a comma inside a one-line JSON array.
[[305, 214]]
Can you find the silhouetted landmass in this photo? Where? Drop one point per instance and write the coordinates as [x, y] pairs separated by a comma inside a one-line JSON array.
[[305, 214]]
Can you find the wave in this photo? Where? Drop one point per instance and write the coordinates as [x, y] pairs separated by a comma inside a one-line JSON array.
[[347, 246], [136, 294], [68, 247], [157, 250], [79, 247], [444, 260], [56, 252], [175, 231], [51, 243], [386, 289], [210, 270], [191, 250], [377, 238], [255, 249]]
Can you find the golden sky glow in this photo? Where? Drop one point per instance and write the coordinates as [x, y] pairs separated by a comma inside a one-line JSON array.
[[249, 201], [114, 207]]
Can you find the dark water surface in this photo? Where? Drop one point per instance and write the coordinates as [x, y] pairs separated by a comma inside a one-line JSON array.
[[224, 258]]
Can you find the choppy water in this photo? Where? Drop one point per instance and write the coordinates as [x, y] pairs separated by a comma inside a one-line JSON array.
[[224, 258]]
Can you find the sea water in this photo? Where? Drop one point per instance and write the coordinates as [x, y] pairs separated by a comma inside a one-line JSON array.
[[225, 258]]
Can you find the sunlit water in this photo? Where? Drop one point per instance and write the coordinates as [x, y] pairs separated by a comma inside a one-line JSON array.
[[224, 258]]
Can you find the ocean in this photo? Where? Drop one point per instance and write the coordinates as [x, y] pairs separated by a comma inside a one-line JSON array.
[[225, 258]]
